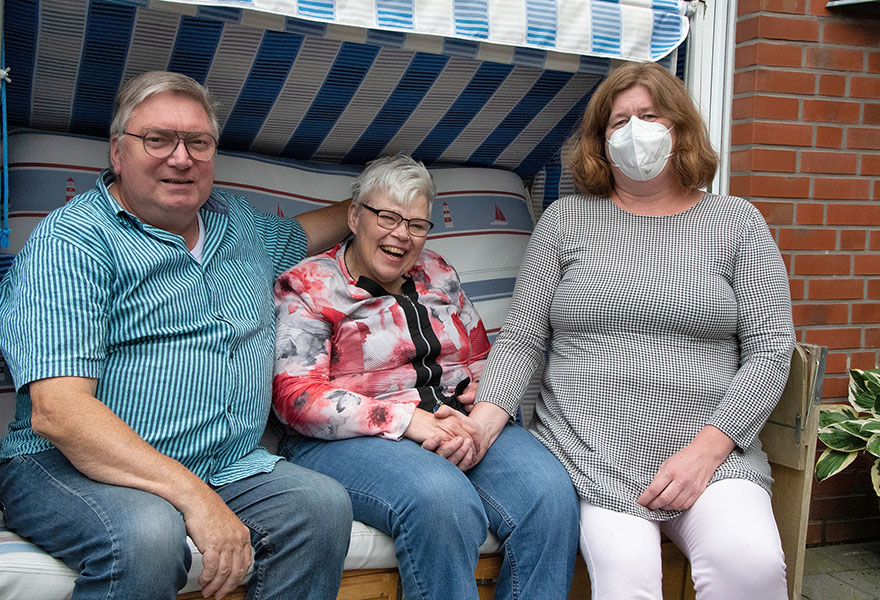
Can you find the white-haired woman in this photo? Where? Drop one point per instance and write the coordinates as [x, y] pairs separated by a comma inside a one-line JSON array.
[[378, 351]]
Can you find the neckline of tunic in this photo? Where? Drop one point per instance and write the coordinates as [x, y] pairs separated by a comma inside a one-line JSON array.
[[687, 211]]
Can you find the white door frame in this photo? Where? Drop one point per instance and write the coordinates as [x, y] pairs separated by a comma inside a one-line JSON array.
[[709, 76]]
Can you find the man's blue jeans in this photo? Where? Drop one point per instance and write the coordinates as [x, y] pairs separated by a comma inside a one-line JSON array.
[[128, 544], [438, 516]]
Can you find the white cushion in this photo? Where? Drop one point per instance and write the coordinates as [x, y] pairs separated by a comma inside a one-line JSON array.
[[26, 572]]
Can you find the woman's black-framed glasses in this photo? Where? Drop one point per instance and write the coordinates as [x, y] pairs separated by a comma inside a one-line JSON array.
[[161, 143], [388, 219]]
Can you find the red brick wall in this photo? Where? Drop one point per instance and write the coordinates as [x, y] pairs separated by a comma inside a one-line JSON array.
[[806, 150]]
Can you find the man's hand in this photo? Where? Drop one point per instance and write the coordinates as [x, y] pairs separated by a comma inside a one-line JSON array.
[[225, 544], [103, 447], [683, 477]]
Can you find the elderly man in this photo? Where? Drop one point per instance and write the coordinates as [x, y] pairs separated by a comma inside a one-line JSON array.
[[137, 322]]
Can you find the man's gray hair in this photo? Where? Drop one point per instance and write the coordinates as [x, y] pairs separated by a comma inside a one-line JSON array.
[[151, 83], [400, 176]]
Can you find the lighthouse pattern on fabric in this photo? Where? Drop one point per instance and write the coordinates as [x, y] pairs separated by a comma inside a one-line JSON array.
[[70, 190]]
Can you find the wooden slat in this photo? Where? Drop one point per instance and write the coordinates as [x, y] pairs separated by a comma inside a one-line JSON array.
[[580, 584], [782, 437], [369, 584], [791, 459]]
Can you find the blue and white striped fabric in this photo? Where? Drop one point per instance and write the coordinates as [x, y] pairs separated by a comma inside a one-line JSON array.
[[626, 29], [297, 93], [479, 213]]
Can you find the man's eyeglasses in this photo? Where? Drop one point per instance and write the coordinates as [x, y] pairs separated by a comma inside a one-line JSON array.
[[161, 143], [388, 219]]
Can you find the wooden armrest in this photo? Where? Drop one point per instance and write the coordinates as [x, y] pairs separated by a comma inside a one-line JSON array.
[[791, 428]]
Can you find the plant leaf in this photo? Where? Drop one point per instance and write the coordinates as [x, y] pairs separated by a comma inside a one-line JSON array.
[[871, 427], [873, 445], [854, 427], [835, 413], [860, 396], [872, 380], [837, 438], [831, 462], [875, 476]]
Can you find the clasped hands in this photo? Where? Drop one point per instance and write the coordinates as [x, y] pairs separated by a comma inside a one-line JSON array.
[[456, 437]]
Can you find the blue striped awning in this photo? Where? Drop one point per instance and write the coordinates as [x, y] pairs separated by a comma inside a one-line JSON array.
[[298, 82], [625, 29]]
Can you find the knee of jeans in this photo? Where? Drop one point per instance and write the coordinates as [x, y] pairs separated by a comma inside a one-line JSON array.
[[557, 495], [145, 546], [446, 502], [330, 505], [325, 512], [156, 529], [548, 499]]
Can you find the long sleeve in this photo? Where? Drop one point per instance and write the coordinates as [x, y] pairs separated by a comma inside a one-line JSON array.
[[304, 396], [765, 332], [520, 345], [475, 333]]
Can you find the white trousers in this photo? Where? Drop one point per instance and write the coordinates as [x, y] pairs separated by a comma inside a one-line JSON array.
[[729, 535]]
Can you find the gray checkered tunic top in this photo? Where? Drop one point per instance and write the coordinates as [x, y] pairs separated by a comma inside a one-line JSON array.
[[657, 326]]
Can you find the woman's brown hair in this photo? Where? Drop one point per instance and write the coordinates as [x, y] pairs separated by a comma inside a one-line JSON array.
[[693, 160]]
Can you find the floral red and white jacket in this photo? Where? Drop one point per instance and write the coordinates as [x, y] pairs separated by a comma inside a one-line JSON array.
[[352, 359]]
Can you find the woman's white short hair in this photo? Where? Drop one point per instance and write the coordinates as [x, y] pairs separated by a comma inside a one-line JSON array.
[[148, 84], [400, 176]]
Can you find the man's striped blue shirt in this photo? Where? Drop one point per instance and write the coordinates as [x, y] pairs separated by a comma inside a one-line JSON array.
[[182, 351]]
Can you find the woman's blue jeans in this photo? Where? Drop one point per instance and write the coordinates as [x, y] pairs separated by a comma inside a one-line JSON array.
[[438, 516], [128, 544]]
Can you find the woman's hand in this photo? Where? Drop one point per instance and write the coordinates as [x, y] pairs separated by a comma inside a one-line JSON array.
[[447, 432], [489, 419], [683, 477], [467, 396]]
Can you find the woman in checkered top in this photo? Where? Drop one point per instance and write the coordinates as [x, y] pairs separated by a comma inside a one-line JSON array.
[[666, 315]]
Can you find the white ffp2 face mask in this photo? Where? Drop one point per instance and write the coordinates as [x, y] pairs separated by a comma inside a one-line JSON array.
[[640, 149]]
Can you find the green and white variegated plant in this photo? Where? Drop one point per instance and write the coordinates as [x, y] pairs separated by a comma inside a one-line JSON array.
[[847, 429]]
